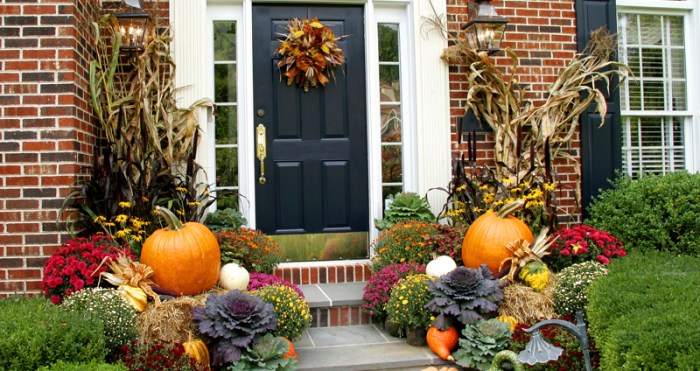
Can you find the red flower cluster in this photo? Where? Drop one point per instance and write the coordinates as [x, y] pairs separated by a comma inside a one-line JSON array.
[[583, 243], [158, 355], [75, 265]]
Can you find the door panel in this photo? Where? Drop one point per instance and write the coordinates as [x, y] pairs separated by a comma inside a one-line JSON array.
[[316, 165]]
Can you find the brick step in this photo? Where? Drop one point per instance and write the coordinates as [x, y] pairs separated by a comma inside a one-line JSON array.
[[357, 271]]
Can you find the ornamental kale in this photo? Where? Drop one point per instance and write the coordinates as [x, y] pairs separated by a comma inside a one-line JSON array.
[[230, 322], [480, 342], [266, 354], [465, 295]]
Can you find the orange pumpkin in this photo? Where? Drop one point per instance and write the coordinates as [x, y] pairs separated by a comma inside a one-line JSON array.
[[486, 239], [291, 353], [197, 350], [185, 257], [442, 342]]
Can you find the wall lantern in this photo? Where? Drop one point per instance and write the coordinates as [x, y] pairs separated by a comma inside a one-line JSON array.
[[485, 28], [133, 26]]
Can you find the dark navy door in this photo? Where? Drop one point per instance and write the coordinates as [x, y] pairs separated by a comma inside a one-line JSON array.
[[316, 162]]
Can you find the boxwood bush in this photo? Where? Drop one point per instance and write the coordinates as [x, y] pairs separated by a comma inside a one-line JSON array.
[[655, 212], [643, 315], [36, 333]]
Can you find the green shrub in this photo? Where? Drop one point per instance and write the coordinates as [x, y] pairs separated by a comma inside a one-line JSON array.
[[92, 366], [36, 333], [644, 313], [107, 305], [656, 212]]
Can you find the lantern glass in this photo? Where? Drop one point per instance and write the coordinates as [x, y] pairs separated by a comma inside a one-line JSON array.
[[133, 28]]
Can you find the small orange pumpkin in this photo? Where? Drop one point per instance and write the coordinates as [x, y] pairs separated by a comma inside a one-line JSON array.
[[291, 353], [197, 350], [185, 257], [486, 239], [442, 342]]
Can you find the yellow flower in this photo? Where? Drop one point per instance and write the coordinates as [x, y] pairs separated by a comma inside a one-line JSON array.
[[122, 233], [100, 219], [549, 187], [483, 187], [181, 189], [180, 212], [477, 210], [461, 188], [125, 204], [109, 224], [194, 203], [404, 302], [121, 218], [488, 197]]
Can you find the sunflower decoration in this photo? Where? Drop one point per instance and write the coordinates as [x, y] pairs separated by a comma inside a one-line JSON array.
[[309, 53]]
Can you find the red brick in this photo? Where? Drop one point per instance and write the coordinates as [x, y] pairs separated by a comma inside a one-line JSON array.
[[332, 277], [24, 273], [305, 275], [344, 319], [34, 286], [10, 240], [314, 275], [12, 286], [22, 227]]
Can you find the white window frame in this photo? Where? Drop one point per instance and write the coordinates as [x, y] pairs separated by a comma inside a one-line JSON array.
[[691, 116]]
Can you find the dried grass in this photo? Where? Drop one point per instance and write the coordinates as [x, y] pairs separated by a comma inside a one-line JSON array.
[[523, 303], [172, 320]]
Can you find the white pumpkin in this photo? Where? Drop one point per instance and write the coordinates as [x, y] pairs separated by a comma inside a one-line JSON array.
[[234, 277], [440, 266]]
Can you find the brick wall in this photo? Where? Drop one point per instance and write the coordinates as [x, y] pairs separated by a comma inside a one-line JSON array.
[[543, 35], [45, 128]]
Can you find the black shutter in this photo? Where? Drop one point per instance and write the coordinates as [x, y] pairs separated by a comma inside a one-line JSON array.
[[601, 148]]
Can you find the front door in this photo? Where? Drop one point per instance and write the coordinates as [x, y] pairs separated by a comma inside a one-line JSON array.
[[315, 172]]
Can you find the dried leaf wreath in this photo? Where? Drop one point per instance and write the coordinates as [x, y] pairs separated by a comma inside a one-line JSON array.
[[309, 53]]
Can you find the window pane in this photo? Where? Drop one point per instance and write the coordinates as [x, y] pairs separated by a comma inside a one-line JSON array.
[[678, 63], [391, 123], [653, 63], [388, 42], [225, 83], [390, 190], [675, 30], [225, 41], [226, 123], [390, 83], [650, 27], [653, 144], [653, 95], [391, 163], [226, 167]]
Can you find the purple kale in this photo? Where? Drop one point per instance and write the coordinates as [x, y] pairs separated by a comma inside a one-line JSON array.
[[230, 322], [465, 295]]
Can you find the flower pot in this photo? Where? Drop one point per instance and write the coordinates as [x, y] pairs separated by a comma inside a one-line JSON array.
[[392, 327], [416, 336]]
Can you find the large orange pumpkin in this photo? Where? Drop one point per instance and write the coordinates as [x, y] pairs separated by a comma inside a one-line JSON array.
[[185, 257], [486, 239]]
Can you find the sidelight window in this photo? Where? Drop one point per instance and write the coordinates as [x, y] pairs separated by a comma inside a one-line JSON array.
[[390, 108]]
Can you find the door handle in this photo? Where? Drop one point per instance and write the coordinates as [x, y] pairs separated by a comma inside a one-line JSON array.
[[261, 150]]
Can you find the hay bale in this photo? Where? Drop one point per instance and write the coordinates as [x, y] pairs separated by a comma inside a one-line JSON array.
[[172, 320], [524, 303]]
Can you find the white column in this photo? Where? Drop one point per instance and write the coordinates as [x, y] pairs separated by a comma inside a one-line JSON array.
[[188, 22], [433, 106]]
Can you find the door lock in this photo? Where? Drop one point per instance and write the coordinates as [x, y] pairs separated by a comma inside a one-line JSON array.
[[261, 150]]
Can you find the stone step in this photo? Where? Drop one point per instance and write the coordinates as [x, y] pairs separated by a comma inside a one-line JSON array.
[[336, 304], [361, 347]]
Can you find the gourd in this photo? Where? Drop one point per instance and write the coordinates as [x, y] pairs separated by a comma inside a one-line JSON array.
[[135, 296], [442, 342], [185, 257], [234, 277], [535, 274], [510, 320], [487, 237], [291, 353], [197, 350], [440, 266]]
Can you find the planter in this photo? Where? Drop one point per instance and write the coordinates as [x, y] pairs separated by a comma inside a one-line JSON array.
[[393, 328], [416, 336]]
